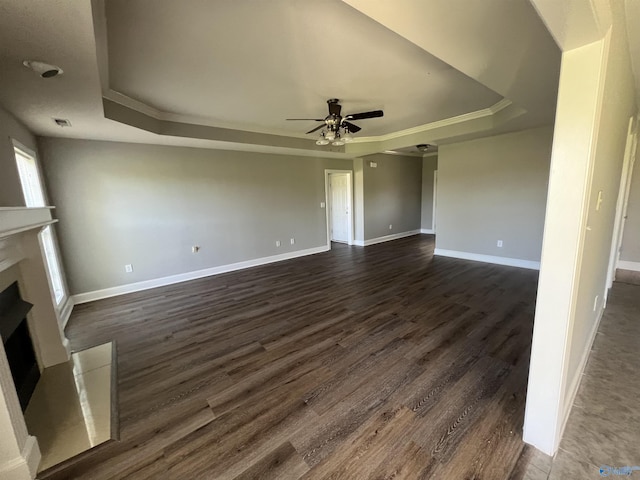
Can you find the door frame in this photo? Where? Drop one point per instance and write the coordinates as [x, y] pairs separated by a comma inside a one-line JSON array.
[[327, 204], [435, 196], [622, 202]]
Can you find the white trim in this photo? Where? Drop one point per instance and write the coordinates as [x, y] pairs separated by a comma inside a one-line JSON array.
[[386, 238], [435, 200], [185, 277], [465, 117], [622, 203], [26, 465], [626, 265], [427, 230], [67, 345], [327, 204], [20, 219], [65, 311], [31, 454], [478, 257]]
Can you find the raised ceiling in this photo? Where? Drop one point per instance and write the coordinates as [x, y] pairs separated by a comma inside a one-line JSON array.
[[226, 74], [249, 65]]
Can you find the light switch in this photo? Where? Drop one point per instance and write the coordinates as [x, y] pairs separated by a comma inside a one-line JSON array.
[[599, 202]]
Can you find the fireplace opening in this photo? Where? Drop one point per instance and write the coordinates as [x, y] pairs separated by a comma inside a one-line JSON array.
[[17, 343]]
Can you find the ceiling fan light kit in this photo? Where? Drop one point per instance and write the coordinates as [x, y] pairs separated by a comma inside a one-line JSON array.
[[337, 129], [322, 140]]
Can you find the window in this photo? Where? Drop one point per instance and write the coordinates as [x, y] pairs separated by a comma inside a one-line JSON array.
[[34, 197], [53, 264], [29, 178]]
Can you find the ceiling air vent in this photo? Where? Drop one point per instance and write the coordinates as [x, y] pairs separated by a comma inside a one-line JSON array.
[[62, 122]]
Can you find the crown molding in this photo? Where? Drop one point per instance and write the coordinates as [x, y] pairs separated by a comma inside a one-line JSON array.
[[147, 117], [466, 117]]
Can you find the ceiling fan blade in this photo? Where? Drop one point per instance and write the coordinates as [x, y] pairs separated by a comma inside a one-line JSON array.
[[317, 128], [335, 108], [352, 128], [308, 119], [363, 115]]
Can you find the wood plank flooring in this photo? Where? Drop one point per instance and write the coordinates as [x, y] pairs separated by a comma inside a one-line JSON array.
[[379, 362]]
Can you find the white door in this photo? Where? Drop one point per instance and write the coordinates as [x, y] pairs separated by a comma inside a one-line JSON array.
[[339, 206]]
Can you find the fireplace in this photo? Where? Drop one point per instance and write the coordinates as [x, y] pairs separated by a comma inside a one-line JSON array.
[[17, 343], [25, 333]]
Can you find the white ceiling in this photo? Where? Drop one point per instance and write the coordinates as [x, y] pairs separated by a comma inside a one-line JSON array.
[[179, 70]]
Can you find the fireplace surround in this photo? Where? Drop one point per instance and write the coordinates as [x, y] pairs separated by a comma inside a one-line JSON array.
[[22, 262]]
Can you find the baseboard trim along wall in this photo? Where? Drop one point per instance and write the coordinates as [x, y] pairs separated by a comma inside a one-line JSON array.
[[626, 265], [185, 277], [511, 262], [386, 238], [427, 231]]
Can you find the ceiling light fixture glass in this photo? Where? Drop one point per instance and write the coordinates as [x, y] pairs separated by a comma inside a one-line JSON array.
[[337, 142], [322, 140], [330, 135], [347, 137]]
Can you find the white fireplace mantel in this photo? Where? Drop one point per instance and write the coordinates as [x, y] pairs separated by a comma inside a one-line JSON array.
[[22, 260]]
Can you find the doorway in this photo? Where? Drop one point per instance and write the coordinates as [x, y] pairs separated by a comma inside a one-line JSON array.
[[339, 205], [622, 203]]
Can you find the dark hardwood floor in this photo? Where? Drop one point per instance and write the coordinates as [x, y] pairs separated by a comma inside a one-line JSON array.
[[379, 362]]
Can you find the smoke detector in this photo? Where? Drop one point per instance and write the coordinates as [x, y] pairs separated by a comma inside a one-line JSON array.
[[62, 122], [45, 70]]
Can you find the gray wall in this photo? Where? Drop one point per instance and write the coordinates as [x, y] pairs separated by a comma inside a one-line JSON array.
[[492, 189], [147, 205], [630, 250], [392, 194], [429, 166], [10, 189]]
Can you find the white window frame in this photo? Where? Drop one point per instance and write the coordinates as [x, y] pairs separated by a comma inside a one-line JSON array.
[[46, 238]]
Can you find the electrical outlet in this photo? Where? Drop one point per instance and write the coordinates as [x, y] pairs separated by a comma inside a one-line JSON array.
[[322, 204], [128, 268], [390, 227], [500, 243], [293, 241], [277, 243], [195, 249]]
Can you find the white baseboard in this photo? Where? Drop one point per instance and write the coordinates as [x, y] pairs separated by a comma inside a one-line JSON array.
[[511, 262], [626, 265], [429, 231], [185, 277], [386, 238]]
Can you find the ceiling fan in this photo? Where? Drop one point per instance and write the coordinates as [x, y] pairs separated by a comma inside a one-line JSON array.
[[338, 129]]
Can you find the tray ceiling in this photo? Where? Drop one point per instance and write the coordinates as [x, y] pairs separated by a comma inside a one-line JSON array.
[[249, 65], [226, 74]]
